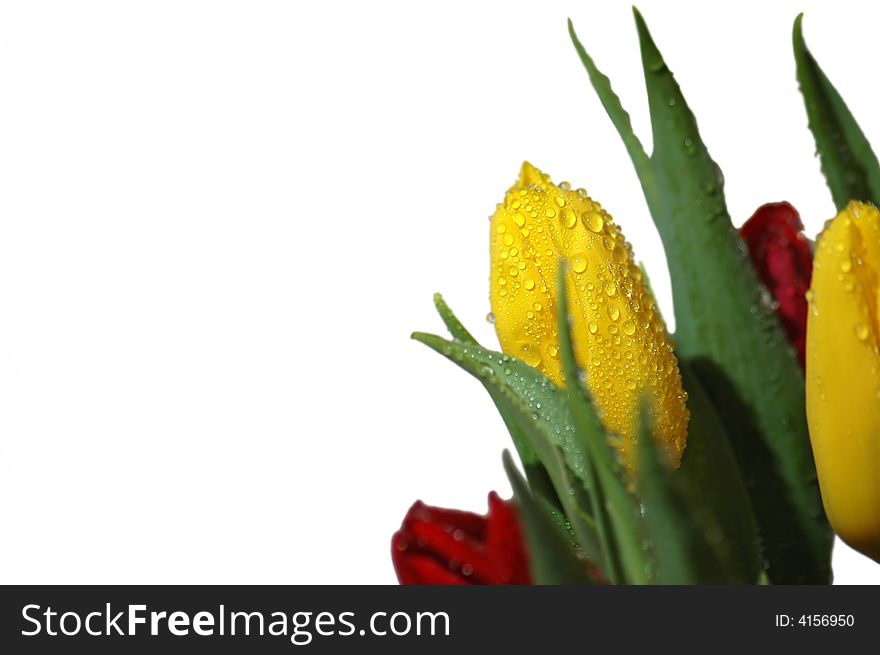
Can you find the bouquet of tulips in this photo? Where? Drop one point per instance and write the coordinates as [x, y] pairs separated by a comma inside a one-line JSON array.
[[722, 454]]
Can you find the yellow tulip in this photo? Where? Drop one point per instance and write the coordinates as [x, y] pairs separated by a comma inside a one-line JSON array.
[[843, 374], [619, 337]]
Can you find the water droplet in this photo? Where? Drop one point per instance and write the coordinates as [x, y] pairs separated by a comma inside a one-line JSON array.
[[846, 265], [593, 327], [537, 307], [550, 212], [530, 354], [560, 201], [514, 271], [613, 312], [502, 281], [593, 221], [519, 219], [629, 328], [579, 262], [568, 218], [529, 284], [862, 332], [501, 229], [631, 384], [490, 318], [507, 240]]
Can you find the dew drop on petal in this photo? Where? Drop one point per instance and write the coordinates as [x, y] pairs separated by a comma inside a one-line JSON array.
[[530, 354], [593, 221]]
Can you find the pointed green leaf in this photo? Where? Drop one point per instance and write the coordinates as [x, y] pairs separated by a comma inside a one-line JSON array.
[[731, 337], [458, 331], [614, 509], [537, 476], [848, 162], [618, 115], [552, 560], [541, 416], [729, 333]]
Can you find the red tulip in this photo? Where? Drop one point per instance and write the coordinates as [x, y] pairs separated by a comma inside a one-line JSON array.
[[783, 260], [449, 547]]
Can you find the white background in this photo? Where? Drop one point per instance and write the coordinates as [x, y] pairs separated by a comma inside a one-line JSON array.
[[219, 223]]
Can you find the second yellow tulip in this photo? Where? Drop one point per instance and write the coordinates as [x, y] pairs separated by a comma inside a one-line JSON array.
[[619, 336]]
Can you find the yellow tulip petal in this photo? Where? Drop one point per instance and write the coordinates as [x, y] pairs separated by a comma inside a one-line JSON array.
[[843, 374], [619, 337]]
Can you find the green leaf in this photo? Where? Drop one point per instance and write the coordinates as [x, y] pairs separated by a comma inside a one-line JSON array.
[[713, 489], [614, 509], [552, 560], [682, 549], [539, 480], [569, 489], [728, 333], [848, 162], [618, 115], [540, 414], [458, 331]]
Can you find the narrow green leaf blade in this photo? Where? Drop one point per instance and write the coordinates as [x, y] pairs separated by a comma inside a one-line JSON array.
[[613, 107], [848, 162], [541, 417], [552, 560], [456, 328], [536, 474], [614, 509], [731, 337]]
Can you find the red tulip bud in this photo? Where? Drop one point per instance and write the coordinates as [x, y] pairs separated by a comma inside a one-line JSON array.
[[449, 547], [783, 260]]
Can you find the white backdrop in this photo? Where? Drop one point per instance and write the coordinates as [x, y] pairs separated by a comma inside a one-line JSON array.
[[219, 223]]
